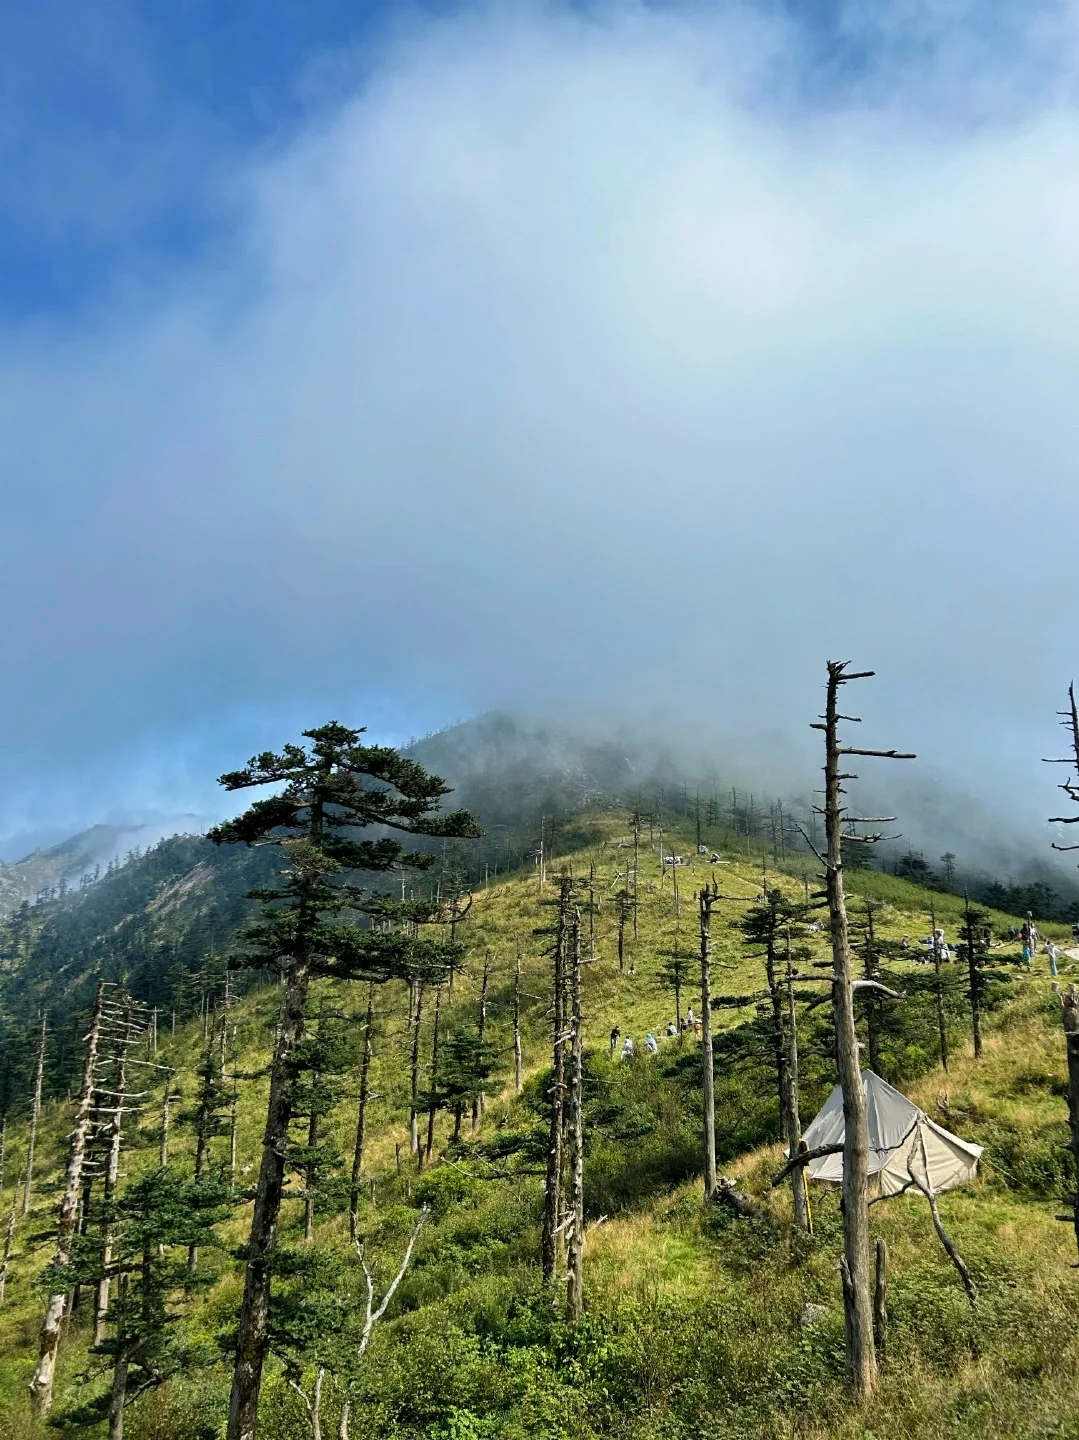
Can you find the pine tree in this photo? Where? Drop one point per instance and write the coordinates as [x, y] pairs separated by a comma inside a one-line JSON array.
[[329, 790], [152, 1223]]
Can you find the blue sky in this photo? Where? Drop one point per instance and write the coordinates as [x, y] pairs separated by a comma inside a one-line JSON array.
[[395, 363]]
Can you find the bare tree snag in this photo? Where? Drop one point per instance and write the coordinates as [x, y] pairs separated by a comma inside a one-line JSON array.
[[553, 1181], [942, 1024], [977, 980], [880, 1299], [708, 898], [575, 1257], [857, 1292], [1069, 1013], [429, 1150], [35, 1117], [361, 1116], [112, 1173], [414, 1089], [479, 1100], [792, 1117], [517, 1057], [41, 1383], [9, 1241]]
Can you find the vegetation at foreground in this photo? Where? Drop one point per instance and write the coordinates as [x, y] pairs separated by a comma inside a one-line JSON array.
[[697, 1323]]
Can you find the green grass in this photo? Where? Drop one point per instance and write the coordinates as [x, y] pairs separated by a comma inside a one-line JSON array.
[[694, 1320]]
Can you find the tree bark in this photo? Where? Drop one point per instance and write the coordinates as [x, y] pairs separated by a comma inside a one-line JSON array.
[[1069, 1002], [255, 1309], [35, 1116], [553, 1181], [880, 1299], [707, 899], [41, 1383], [942, 1026], [517, 1056], [433, 1109], [479, 1100], [361, 1119], [575, 1265], [9, 1241], [414, 1100], [975, 975], [112, 1177], [858, 1303], [792, 1117]]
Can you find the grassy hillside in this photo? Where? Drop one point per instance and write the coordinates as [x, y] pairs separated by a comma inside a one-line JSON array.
[[696, 1322]]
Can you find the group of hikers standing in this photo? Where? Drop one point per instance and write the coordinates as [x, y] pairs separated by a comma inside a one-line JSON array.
[[687, 1025]]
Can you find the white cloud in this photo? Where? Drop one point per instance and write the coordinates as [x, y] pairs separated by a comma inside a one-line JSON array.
[[578, 358]]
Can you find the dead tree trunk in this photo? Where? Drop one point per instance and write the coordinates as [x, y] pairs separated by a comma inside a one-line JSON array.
[[975, 978], [942, 1024], [1069, 1003], [552, 1205], [361, 1117], [708, 898], [575, 1259], [636, 866], [880, 1299], [433, 1108], [479, 1100], [41, 1382], [871, 971], [414, 1100], [792, 1117], [517, 1057], [9, 1241], [857, 1284], [120, 1367], [35, 1117], [112, 1179]]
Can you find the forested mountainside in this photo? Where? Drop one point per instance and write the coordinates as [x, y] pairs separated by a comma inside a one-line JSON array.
[[720, 1318]]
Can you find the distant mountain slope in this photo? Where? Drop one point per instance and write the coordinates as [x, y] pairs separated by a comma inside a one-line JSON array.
[[71, 862]]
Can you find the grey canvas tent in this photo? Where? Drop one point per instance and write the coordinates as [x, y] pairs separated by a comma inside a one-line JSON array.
[[905, 1147]]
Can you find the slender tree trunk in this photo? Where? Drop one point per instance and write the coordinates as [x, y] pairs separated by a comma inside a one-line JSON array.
[[112, 1178], [120, 1365], [636, 865], [9, 1241], [857, 1285], [41, 1383], [553, 1184], [361, 1118], [517, 1058], [975, 974], [255, 1309], [792, 1114], [1070, 1018], [202, 1131], [575, 1265], [163, 1153], [414, 1101], [880, 1299], [707, 899], [479, 1100], [621, 932], [433, 1109], [872, 1003], [35, 1117], [942, 1026]]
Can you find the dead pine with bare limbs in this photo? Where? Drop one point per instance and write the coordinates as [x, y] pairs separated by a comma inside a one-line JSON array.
[[1069, 999], [840, 830]]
